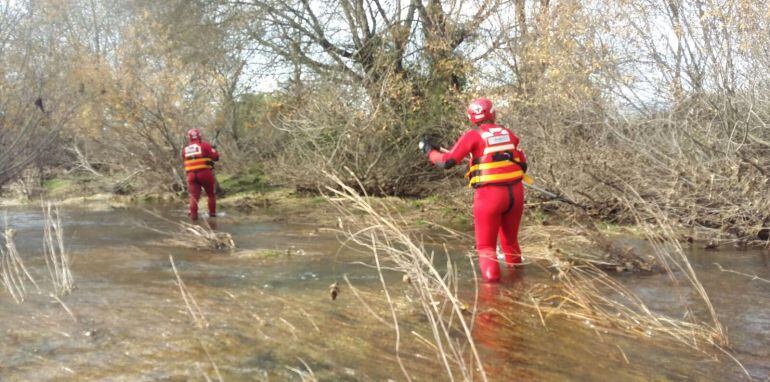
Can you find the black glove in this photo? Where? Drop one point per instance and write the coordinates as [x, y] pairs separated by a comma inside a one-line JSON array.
[[425, 145]]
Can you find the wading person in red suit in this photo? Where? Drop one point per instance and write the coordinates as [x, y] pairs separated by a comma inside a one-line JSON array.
[[496, 170], [199, 158]]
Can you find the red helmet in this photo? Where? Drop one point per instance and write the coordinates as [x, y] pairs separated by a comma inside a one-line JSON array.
[[194, 135], [481, 110]]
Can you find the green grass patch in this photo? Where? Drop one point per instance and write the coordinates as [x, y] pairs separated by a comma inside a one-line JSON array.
[[272, 253], [57, 184], [317, 200]]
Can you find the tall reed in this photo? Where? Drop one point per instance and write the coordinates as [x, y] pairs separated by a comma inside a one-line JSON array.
[[57, 260]]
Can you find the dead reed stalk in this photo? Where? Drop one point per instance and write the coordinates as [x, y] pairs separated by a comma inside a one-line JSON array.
[[57, 260], [199, 319], [211, 362], [306, 375], [14, 273]]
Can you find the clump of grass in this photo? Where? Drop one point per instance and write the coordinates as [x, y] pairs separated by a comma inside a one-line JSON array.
[[195, 236], [579, 245], [585, 293], [57, 259]]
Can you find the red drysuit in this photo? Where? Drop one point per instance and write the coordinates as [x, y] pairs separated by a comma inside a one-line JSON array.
[[498, 201], [199, 158]]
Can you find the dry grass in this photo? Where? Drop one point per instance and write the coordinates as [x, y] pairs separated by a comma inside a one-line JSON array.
[[751, 277], [57, 259], [585, 245], [199, 320], [14, 274], [194, 236], [195, 311], [581, 290], [306, 375], [436, 291]]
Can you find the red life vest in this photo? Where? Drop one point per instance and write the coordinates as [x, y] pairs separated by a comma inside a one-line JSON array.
[[194, 159], [499, 164]]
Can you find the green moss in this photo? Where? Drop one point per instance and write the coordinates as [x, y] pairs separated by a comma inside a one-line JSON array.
[[607, 227], [462, 222], [426, 201], [248, 181], [269, 253], [57, 184], [263, 253], [538, 216]]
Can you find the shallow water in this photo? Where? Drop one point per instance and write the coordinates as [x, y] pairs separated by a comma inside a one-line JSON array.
[[271, 318]]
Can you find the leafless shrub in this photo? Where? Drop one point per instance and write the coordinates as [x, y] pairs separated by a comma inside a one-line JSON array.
[[687, 128], [378, 144]]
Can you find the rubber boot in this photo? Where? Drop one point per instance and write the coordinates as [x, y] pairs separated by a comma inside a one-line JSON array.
[[512, 260], [490, 268]]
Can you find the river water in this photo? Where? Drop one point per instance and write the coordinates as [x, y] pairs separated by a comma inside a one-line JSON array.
[[270, 316]]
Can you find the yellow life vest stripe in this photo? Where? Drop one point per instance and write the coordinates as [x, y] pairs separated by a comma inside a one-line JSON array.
[[200, 167], [528, 180], [197, 164], [496, 177], [487, 166]]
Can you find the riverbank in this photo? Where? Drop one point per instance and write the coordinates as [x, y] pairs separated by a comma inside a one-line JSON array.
[[250, 192], [251, 195]]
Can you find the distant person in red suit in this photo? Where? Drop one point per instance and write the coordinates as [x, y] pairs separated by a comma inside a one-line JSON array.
[[199, 158]]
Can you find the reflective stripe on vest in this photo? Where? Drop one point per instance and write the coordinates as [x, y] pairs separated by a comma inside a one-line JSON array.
[[197, 164], [497, 149]]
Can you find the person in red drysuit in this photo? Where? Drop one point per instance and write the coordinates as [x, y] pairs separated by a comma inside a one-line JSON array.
[[497, 167], [199, 158]]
